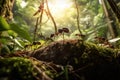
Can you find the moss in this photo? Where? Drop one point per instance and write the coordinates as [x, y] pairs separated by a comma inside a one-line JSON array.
[[87, 61], [76, 60], [71, 51], [16, 68]]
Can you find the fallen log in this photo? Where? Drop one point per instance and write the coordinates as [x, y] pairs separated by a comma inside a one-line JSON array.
[[70, 60]]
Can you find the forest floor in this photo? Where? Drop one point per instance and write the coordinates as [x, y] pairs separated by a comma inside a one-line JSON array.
[[63, 60]]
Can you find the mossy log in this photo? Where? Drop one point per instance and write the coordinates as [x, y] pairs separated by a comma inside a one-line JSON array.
[[19, 68], [66, 60], [70, 52], [15, 68], [88, 61]]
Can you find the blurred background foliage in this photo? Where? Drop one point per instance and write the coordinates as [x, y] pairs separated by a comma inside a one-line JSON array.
[[92, 20], [91, 17]]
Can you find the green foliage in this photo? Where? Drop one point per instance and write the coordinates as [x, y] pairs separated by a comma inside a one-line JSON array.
[[20, 32], [12, 36], [3, 24], [91, 17], [16, 68]]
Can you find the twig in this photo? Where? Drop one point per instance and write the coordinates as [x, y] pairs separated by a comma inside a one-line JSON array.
[[36, 27]]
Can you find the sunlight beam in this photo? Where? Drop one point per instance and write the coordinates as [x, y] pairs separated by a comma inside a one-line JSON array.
[[59, 6]]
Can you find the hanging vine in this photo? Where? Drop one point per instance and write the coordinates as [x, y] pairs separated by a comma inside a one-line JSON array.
[[78, 16], [52, 18], [41, 10], [39, 19]]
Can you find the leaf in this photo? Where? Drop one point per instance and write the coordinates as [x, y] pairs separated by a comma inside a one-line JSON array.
[[114, 40], [12, 33], [17, 42], [3, 24], [21, 32]]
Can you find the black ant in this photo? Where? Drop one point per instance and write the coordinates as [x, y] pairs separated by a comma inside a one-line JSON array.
[[60, 31], [104, 42]]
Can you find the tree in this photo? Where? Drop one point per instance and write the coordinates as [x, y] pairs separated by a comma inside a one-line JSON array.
[[6, 9], [110, 11]]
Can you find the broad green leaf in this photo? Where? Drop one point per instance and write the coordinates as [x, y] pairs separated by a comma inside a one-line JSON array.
[[12, 33], [18, 43], [3, 24], [21, 32]]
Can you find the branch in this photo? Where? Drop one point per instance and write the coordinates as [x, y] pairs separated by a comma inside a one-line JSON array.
[[51, 17]]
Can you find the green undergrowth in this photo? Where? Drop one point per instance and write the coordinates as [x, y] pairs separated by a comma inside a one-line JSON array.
[[71, 60], [84, 60], [16, 68]]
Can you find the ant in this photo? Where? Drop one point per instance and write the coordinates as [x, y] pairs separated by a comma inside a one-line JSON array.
[[60, 31], [104, 42]]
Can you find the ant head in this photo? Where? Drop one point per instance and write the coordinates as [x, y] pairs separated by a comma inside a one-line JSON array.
[[26, 46], [52, 35], [39, 43], [36, 43], [96, 37], [60, 30], [77, 34]]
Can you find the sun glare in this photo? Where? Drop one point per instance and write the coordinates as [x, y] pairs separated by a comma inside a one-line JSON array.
[[23, 4], [59, 6]]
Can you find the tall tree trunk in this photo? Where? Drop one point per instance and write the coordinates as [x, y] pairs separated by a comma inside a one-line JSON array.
[[112, 27], [6, 9]]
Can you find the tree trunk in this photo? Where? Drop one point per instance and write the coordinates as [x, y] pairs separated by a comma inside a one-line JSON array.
[[110, 19], [6, 9], [114, 8]]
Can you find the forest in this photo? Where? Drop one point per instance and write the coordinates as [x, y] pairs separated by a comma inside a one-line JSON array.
[[59, 40]]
